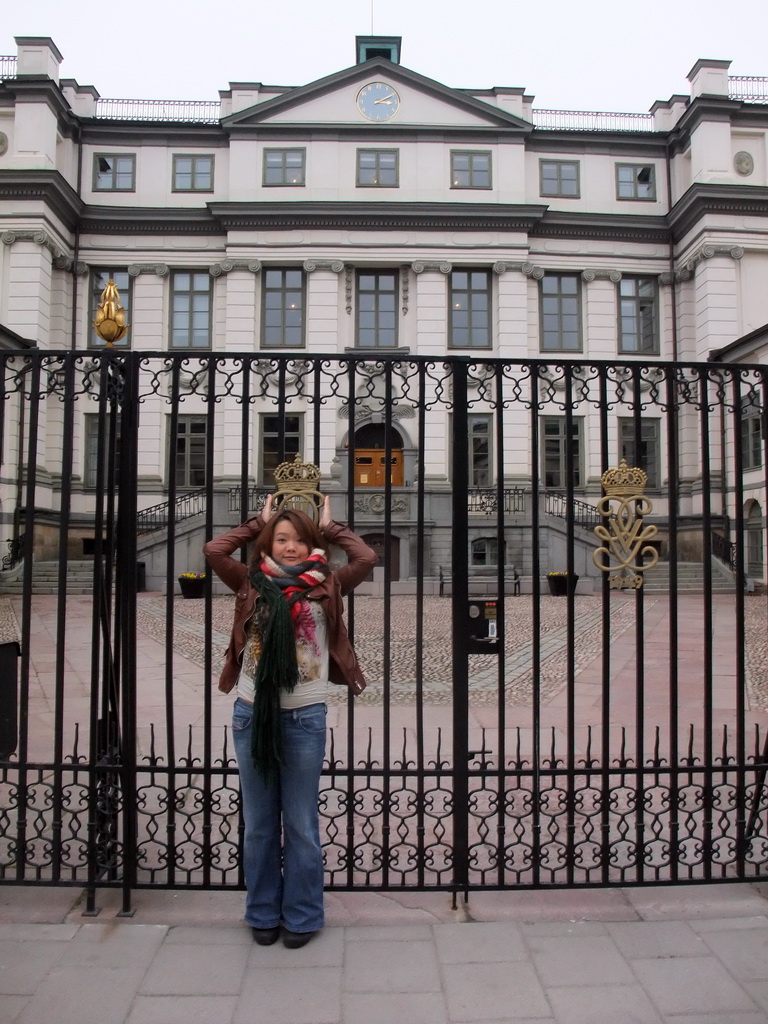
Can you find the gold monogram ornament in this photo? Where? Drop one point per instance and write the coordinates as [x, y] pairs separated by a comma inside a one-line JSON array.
[[625, 540], [297, 488]]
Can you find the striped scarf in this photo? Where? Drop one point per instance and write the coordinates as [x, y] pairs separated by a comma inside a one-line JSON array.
[[281, 589]]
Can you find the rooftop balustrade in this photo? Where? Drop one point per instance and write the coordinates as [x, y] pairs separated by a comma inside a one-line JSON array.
[[746, 88]]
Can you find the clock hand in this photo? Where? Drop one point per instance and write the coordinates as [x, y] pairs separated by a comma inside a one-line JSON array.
[[385, 99]]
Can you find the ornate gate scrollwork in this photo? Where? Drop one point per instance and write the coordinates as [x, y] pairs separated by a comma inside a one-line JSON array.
[[625, 540]]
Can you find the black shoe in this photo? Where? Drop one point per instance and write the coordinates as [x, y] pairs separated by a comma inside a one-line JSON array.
[[295, 940], [265, 936]]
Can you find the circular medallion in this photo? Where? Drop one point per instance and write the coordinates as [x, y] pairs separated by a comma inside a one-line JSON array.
[[743, 163]]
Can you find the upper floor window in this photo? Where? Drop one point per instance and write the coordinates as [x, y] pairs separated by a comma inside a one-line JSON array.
[[190, 450], [281, 440], [113, 173], [638, 329], [190, 309], [284, 166], [559, 178], [283, 308], [377, 295], [377, 168], [479, 450], [751, 433], [192, 173], [560, 312], [469, 302], [647, 453], [470, 169], [99, 281], [554, 451], [635, 181]]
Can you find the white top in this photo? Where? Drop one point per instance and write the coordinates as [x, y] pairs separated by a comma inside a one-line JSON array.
[[311, 654]]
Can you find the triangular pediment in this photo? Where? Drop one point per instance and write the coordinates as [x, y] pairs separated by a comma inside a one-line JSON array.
[[336, 101]]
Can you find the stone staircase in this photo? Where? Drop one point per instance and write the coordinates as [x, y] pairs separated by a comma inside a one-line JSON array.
[[45, 579], [690, 578]]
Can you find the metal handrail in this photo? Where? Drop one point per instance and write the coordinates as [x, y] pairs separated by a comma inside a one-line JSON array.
[[592, 121], [156, 517], [255, 497], [484, 501], [8, 66], [197, 111], [748, 88], [556, 503], [724, 550]]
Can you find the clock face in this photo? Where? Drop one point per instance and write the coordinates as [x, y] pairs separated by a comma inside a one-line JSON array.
[[378, 101]]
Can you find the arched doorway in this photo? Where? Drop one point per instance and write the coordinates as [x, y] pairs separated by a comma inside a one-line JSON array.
[[380, 543], [754, 540], [370, 456]]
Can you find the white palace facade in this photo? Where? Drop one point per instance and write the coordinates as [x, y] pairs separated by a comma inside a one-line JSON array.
[[377, 212]]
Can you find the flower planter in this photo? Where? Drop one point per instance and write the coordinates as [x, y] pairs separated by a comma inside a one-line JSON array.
[[192, 587], [563, 584]]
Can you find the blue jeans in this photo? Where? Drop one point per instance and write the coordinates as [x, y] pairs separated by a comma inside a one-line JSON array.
[[285, 888]]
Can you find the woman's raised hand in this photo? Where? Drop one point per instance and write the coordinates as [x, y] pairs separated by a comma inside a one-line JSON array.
[[325, 517], [267, 511]]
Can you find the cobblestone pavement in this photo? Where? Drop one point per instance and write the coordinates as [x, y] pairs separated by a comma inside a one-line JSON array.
[[401, 650], [400, 653]]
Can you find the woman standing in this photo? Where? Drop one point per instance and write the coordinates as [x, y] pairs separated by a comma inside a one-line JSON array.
[[288, 643]]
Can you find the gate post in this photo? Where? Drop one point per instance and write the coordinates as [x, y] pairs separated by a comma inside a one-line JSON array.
[[125, 616], [460, 660]]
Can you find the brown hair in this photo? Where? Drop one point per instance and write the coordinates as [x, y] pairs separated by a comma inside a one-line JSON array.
[[302, 524]]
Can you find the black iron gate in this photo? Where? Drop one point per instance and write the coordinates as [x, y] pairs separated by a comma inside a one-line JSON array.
[[615, 735]]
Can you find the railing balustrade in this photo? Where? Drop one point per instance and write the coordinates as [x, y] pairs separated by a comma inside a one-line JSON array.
[[592, 121], [557, 504], [724, 550], [484, 501], [156, 517], [199, 111], [748, 89]]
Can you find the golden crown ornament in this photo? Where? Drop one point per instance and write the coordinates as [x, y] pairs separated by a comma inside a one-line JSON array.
[[626, 481], [298, 487]]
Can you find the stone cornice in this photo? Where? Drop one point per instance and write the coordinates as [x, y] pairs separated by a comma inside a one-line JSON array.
[[48, 186], [702, 199], [377, 216], [141, 220], [622, 145], [103, 132], [603, 226]]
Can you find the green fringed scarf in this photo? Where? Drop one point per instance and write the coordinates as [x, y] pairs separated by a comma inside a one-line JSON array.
[[281, 588]]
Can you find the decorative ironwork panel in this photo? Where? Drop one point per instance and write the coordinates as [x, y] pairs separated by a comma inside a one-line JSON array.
[[602, 737]]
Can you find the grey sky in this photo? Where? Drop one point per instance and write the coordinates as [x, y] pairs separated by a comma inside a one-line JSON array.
[[594, 55]]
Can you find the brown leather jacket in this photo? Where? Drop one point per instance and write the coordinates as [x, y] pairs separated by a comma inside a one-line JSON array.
[[343, 666]]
